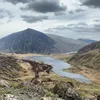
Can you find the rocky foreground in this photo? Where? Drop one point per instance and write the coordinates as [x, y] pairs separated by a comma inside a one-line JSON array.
[[15, 82]]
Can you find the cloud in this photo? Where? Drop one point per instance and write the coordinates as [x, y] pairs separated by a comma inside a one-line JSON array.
[[60, 13], [81, 28], [91, 3], [45, 6], [17, 1], [34, 19], [78, 10], [96, 20], [5, 13]]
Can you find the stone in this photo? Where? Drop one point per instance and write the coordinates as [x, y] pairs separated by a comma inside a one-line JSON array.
[[4, 83], [66, 92], [98, 97]]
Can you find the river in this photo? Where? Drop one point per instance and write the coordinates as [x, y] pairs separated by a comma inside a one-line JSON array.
[[58, 67]]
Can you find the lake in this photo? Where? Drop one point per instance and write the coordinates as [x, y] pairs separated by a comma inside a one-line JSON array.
[[58, 67]]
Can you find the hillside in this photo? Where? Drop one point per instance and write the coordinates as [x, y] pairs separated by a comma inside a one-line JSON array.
[[66, 44], [9, 68], [93, 46], [90, 59], [87, 62], [88, 56], [88, 41], [32, 41]]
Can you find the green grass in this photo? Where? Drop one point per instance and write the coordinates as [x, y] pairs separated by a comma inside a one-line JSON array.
[[65, 59]]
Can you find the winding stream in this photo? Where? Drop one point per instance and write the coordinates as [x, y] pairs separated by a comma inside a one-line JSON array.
[[58, 65]]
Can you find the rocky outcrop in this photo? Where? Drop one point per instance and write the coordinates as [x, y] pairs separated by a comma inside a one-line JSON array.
[[8, 97], [98, 97], [50, 98], [66, 92], [4, 83], [38, 67], [32, 92]]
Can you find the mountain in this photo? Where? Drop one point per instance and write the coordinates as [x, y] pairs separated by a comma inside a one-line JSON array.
[[66, 44], [88, 41], [27, 41], [88, 56], [32, 41]]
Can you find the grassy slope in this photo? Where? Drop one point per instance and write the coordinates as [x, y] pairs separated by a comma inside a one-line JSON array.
[[90, 59]]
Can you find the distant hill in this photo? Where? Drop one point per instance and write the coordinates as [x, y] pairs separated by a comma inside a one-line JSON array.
[[32, 41], [88, 56], [66, 44], [88, 41]]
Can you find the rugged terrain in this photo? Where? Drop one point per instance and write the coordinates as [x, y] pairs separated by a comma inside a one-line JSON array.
[[15, 82], [32, 41]]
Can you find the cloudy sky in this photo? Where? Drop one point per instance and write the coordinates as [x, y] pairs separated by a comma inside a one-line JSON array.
[[68, 18]]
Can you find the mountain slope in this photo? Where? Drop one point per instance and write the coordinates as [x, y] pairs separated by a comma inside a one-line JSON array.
[[66, 44], [93, 46], [27, 41], [32, 41], [88, 41], [89, 56]]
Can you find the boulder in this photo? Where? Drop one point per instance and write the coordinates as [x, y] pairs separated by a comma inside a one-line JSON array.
[[4, 83], [50, 98], [66, 92], [8, 97], [98, 97]]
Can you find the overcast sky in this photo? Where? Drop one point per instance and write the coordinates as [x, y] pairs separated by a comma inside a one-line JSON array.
[[68, 18]]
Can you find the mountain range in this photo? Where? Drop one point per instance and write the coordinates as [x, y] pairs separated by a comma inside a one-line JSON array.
[[32, 41]]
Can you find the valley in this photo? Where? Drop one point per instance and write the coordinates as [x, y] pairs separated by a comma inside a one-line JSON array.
[[47, 67], [49, 49]]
